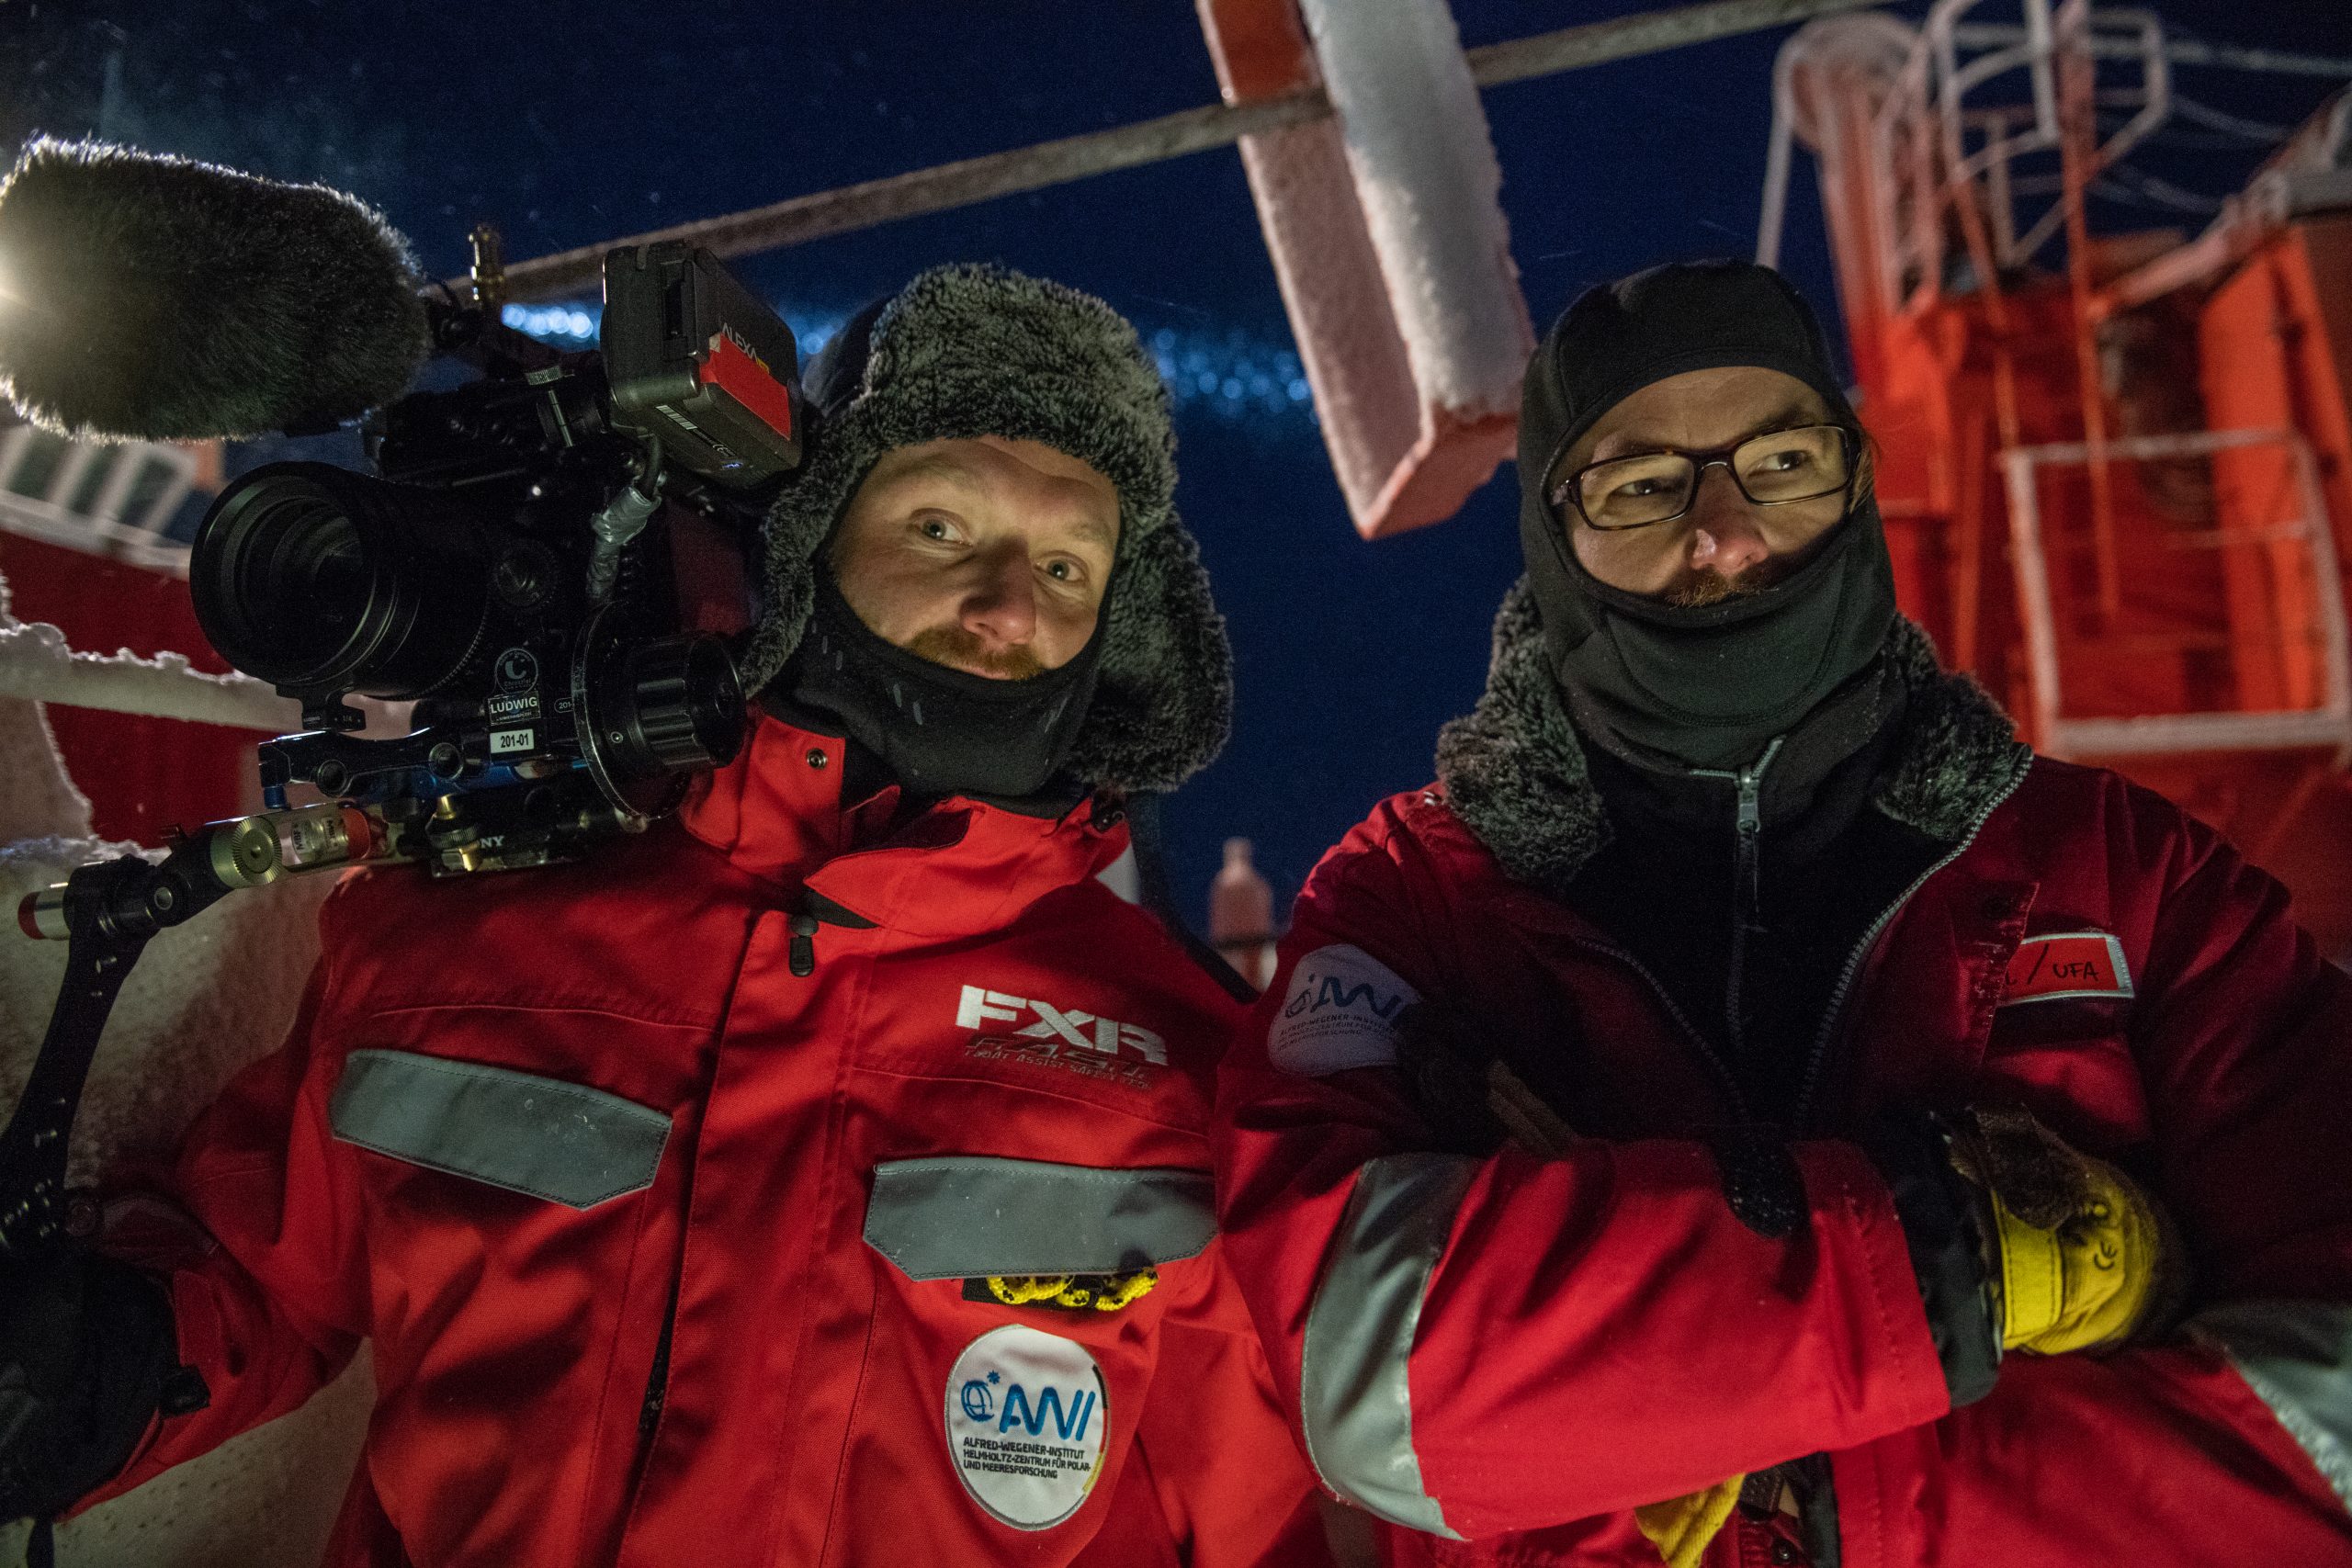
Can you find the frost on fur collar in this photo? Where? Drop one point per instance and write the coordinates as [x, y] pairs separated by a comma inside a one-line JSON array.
[[1514, 771], [969, 351]]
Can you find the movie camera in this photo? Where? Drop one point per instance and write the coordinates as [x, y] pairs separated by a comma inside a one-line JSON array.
[[548, 560]]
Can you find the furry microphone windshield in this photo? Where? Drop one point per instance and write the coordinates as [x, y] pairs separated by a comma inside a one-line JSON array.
[[161, 298]]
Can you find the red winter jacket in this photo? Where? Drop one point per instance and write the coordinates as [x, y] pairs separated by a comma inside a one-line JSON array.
[[1509, 1353], [667, 1188]]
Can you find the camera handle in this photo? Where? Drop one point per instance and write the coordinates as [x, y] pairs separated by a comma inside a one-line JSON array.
[[106, 912]]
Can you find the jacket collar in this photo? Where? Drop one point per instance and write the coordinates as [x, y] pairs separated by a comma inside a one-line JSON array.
[[1514, 770], [960, 867]]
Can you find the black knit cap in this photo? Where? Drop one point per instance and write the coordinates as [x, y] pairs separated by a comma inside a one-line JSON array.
[[1619, 337]]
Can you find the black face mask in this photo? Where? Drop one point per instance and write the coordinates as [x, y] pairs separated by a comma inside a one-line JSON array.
[[1705, 687], [1711, 686], [940, 731]]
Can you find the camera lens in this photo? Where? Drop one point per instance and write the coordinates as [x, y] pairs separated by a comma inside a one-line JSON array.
[[314, 577]]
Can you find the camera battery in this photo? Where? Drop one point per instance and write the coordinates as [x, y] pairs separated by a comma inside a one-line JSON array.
[[698, 361]]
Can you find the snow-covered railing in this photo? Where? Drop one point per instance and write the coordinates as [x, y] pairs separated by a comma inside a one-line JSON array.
[[35, 663]]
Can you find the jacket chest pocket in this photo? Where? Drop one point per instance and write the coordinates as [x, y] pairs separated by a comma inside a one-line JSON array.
[[2069, 1061], [502, 1216], [541, 1137], [973, 1216], [1014, 1335]]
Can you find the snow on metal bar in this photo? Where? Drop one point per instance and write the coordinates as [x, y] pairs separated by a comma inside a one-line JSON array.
[[35, 663], [800, 219], [1432, 190], [1388, 238]]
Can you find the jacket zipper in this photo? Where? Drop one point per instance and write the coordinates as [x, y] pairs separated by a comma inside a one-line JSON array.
[[1747, 853], [1829, 1014], [800, 953], [656, 1383], [800, 957]]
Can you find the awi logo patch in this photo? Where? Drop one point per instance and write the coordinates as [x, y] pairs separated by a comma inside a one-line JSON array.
[[1027, 1417], [1340, 1012]]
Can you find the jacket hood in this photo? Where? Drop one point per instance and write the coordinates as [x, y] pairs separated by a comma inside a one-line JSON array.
[[966, 350], [1514, 769]]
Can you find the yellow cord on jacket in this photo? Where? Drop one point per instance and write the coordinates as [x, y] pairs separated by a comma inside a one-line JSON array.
[[1103, 1292]]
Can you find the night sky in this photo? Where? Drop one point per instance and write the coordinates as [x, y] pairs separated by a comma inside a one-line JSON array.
[[574, 124]]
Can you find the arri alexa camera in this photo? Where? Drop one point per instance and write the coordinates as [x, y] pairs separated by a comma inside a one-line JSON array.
[[549, 559]]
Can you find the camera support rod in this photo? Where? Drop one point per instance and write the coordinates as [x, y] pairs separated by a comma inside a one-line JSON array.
[[108, 912], [969, 180]]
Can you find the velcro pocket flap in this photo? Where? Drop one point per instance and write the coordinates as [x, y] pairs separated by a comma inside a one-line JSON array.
[[565, 1142], [970, 1216]]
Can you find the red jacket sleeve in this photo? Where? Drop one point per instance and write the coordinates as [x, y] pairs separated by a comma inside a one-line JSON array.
[[2235, 1442], [1227, 1486], [1473, 1346], [269, 1304]]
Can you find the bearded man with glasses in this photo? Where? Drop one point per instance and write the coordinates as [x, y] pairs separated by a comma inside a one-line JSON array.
[[1750, 1108]]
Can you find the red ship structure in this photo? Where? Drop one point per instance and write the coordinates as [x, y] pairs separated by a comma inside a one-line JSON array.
[[2116, 467]]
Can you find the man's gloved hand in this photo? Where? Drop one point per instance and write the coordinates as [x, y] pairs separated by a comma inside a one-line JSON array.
[[86, 1349], [1474, 1101], [1681, 1528], [2081, 1258]]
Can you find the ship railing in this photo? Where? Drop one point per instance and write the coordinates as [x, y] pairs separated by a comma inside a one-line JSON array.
[[113, 499], [2306, 599]]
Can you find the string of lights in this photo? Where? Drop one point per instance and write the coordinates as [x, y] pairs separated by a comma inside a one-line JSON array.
[[1231, 375]]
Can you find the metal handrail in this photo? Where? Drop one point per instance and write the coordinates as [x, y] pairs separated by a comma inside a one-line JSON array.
[[2328, 723]]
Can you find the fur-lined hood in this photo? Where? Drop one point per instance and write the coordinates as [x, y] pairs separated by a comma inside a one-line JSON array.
[[1514, 770], [967, 351]]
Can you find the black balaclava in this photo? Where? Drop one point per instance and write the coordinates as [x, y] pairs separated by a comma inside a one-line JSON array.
[[938, 730], [1711, 686]]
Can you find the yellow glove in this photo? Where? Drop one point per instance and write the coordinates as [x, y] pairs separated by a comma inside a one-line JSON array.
[[2083, 1258], [1680, 1528]]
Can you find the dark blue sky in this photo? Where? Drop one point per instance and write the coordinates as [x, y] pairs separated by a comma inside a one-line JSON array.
[[574, 124]]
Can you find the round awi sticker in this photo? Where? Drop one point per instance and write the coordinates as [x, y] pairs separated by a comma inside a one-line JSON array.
[[1026, 1419]]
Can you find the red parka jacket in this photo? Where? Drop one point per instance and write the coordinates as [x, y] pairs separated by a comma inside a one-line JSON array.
[[667, 1188], [1507, 1354]]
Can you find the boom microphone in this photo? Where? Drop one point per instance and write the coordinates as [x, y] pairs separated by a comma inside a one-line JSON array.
[[161, 298]]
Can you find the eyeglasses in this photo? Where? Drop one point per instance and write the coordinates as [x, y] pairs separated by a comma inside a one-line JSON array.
[[1771, 469]]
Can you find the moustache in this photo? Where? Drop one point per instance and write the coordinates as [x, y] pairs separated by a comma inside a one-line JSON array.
[[1696, 589], [958, 648]]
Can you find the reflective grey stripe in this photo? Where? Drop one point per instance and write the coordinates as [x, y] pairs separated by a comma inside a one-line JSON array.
[[562, 1141], [968, 1216], [1355, 1398], [2298, 1356]]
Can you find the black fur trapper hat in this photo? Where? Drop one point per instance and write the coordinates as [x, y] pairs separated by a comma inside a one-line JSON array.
[[966, 350]]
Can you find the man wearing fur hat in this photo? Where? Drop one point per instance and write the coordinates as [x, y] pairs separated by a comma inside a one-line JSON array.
[[1751, 1109], [820, 1177]]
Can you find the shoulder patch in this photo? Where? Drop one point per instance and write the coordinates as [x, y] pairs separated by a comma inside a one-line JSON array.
[[1340, 1011]]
